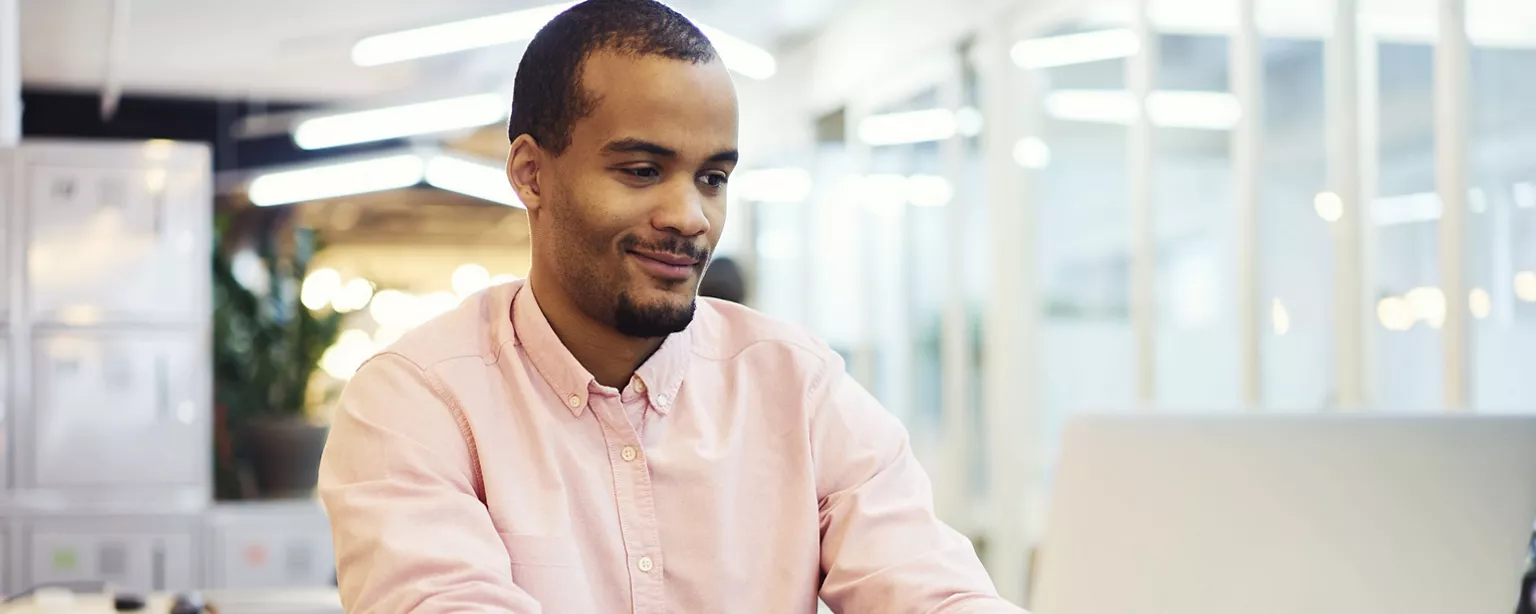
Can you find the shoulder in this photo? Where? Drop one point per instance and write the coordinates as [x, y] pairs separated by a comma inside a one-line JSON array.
[[478, 328], [729, 332]]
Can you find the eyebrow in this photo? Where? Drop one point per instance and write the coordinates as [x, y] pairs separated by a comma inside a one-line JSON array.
[[638, 146], [632, 145]]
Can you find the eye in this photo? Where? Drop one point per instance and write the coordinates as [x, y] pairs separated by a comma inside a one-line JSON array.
[[715, 179], [643, 172]]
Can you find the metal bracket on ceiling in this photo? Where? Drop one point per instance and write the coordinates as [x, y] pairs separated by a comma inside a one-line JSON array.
[[117, 42]]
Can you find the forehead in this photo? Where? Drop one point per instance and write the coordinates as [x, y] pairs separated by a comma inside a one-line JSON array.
[[680, 104]]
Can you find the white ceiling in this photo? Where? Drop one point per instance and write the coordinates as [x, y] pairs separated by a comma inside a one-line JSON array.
[[300, 49]]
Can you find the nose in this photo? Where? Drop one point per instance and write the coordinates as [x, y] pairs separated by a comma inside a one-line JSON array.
[[682, 210]]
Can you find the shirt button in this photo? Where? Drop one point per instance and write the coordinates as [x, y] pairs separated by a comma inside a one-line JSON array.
[[628, 453], [645, 564], [639, 386], [574, 401]]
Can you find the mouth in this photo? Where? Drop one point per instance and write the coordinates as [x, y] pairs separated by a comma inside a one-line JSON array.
[[665, 266]]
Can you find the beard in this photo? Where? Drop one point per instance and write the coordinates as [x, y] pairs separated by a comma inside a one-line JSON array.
[[648, 321], [598, 282], [659, 319]]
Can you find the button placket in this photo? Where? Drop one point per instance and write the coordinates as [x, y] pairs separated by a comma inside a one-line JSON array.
[[649, 588], [636, 504]]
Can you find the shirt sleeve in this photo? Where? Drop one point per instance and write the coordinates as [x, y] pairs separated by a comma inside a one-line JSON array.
[[399, 484], [882, 547]]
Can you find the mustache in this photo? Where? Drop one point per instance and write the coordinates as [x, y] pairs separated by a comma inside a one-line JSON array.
[[671, 245]]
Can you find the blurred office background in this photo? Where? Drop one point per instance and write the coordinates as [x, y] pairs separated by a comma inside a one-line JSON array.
[[1002, 212]]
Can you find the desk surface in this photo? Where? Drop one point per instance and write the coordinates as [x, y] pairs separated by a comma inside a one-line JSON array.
[[222, 602]]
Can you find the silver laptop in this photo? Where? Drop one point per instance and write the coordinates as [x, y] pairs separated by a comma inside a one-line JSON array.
[[1289, 514]]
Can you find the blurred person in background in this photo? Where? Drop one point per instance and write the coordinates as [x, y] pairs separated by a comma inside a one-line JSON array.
[[597, 439], [724, 281], [1527, 604]]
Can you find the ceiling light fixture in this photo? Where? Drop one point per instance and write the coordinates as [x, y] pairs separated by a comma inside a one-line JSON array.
[[739, 55], [745, 58], [923, 126], [401, 121], [1196, 110], [1070, 49], [455, 36], [1032, 153], [484, 181], [333, 180], [445, 172], [772, 185]]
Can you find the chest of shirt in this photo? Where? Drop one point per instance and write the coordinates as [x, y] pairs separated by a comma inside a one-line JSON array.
[[718, 490], [546, 464]]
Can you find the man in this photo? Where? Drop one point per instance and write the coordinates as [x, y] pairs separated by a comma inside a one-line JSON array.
[[596, 440]]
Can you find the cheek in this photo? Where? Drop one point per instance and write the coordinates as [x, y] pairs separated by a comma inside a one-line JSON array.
[[584, 220], [716, 215]]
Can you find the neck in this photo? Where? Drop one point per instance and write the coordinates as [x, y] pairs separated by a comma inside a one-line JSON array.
[[611, 357]]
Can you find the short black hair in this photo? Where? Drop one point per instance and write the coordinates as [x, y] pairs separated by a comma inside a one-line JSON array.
[[547, 98]]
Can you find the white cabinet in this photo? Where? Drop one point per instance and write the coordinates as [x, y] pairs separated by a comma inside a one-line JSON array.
[[9, 214], [119, 408], [7, 421], [105, 375], [269, 546], [5, 561], [115, 239], [139, 560]]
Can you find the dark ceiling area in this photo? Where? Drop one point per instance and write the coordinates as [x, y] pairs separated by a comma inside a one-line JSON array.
[[77, 114]]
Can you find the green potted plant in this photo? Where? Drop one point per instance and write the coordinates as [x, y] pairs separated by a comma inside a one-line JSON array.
[[267, 347]]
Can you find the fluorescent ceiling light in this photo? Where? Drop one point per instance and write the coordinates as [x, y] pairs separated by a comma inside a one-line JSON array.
[[738, 55], [887, 193], [1095, 106], [1192, 109], [454, 174], [455, 36], [741, 56], [1032, 153], [1525, 195], [482, 181], [1075, 48], [968, 121], [1407, 209], [772, 185], [1168, 108], [1525, 286], [881, 191], [1420, 207], [345, 179], [929, 191], [919, 126], [401, 121], [1328, 206]]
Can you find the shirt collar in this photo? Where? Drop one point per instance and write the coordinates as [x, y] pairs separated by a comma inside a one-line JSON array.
[[662, 373]]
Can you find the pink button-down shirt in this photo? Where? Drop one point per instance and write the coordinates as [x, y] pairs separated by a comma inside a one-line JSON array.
[[475, 466]]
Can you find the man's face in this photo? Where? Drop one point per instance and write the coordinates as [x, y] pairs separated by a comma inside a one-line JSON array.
[[632, 209]]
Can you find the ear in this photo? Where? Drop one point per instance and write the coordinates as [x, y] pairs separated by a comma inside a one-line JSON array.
[[524, 163]]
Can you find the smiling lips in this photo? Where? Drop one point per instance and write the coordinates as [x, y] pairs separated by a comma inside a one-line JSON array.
[[667, 266]]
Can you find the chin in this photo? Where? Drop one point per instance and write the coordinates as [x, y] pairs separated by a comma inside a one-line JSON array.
[[654, 313], [677, 297]]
